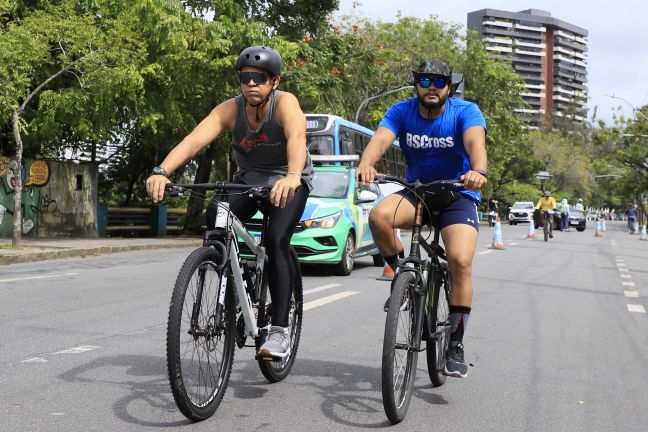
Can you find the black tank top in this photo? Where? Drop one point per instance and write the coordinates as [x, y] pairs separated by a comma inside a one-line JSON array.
[[262, 154]]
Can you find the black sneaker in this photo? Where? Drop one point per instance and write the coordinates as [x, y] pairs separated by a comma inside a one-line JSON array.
[[455, 365]]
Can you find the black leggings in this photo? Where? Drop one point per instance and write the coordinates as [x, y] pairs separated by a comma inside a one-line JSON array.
[[281, 225]]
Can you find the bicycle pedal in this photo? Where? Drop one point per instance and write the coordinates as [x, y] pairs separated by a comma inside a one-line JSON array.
[[268, 357]]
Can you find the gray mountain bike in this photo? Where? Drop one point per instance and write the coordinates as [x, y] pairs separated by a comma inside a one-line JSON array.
[[418, 307], [219, 300]]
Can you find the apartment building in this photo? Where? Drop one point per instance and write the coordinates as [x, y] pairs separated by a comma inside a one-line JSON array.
[[550, 54]]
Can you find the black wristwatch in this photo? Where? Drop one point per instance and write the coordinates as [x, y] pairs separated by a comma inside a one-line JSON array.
[[482, 172], [160, 171]]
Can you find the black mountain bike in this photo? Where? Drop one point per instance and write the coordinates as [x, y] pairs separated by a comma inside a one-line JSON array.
[[418, 308], [220, 299]]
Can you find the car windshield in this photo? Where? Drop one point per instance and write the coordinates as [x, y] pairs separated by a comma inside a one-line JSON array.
[[330, 184], [320, 144], [523, 206]]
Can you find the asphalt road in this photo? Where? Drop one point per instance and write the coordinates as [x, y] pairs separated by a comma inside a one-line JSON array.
[[557, 339]]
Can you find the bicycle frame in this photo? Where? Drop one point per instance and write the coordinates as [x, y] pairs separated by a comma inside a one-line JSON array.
[[225, 239], [423, 269]]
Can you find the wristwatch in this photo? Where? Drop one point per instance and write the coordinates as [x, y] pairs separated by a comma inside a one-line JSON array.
[[482, 172], [160, 171]]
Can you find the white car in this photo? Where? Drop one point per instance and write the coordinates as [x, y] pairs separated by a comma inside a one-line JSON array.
[[521, 211]]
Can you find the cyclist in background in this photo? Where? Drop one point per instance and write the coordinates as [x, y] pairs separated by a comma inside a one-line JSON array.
[[269, 142], [546, 205], [441, 138], [579, 206], [493, 210]]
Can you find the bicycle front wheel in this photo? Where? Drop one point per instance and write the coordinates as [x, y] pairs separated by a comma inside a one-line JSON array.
[[399, 355], [546, 229], [440, 321], [275, 371], [200, 354]]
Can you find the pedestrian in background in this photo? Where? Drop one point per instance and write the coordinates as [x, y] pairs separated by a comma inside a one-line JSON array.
[[564, 215], [631, 214]]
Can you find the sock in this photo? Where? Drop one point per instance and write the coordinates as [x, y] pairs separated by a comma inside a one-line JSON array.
[[393, 259], [458, 322]]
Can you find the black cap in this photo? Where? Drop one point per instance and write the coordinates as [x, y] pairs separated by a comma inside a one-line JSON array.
[[262, 57], [433, 67]]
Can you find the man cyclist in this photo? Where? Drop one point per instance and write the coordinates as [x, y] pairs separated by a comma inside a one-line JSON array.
[[546, 205], [441, 138], [579, 206], [269, 144], [631, 214]]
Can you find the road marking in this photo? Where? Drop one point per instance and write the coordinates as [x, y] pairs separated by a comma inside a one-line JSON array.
[[636, 308], [513, 244], [628, 283], [634, 294], [78, 350], [37, 277], [322, 288], [34, 360], [625, 276], [328, 299], [624, 270], [485, 252]]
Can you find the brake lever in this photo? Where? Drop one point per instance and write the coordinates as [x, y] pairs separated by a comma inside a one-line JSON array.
[[174, 191]]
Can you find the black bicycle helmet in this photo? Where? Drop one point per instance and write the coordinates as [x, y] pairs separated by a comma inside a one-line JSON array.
[[262, 57], [433, 67]]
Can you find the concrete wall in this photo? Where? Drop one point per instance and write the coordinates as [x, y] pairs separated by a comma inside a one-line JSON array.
[[59, 198]]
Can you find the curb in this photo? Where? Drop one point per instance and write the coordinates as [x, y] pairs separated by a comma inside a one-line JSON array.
[[87, 252]]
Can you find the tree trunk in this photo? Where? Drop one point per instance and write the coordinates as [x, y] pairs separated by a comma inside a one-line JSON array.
[[17, 171], [195, 219]]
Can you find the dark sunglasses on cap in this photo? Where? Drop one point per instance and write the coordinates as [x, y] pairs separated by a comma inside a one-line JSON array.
[[257, 77], [426, 81]]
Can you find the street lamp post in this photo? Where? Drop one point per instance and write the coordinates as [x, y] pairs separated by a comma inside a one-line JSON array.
[[638, 111], [364, 103]]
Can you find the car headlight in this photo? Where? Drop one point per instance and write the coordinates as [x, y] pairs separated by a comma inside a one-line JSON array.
[[323, 222]]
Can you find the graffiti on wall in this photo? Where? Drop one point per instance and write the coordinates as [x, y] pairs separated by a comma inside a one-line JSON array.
[[34, 175]]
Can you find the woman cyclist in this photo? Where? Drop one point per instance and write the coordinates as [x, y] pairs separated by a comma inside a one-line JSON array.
[[269, 143]]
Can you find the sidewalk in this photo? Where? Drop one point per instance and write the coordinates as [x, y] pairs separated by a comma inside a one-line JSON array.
[[38, 249]]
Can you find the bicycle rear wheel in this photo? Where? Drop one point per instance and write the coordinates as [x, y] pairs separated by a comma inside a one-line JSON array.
[[440, 321], [275, 371], [546, 229], [199, 357], [399, 356]]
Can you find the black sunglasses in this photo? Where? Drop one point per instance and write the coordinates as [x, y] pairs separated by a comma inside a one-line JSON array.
[[426, 81], [257, 77]]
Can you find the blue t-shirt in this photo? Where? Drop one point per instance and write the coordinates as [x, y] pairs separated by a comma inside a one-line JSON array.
[[434, 149]]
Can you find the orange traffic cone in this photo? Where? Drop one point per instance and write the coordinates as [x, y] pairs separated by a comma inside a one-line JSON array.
[[599, 231], [498, 243], [388, 273], [531, 233]]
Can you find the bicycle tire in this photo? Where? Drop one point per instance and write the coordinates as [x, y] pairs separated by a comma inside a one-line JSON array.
[[198, 388], [398, 372], [546, 229], [277, 371], [436, 349]]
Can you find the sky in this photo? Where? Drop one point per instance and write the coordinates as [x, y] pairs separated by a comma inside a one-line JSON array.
[[618, 39]]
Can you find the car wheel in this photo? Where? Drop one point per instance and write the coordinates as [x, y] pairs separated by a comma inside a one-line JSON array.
[[379, 260], [581, 229], [511, 223], [345, 266]]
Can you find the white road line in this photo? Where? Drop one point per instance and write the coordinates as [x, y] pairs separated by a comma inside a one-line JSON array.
[[628, 283], [322, 288], [328, 299], [634, 294], [34, 360], [624, 270], [625, 276], [485, 252], [38, 277], [513, 244], [636, 308], [78, 349]]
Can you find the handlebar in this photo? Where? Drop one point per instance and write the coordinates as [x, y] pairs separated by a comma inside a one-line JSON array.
[[175, 189], [382, 179]]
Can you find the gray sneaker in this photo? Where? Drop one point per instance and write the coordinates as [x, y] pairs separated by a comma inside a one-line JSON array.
[[277, 344], [455, 365]]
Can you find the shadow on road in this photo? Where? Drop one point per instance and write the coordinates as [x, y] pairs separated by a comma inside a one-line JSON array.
[[350, 394]]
